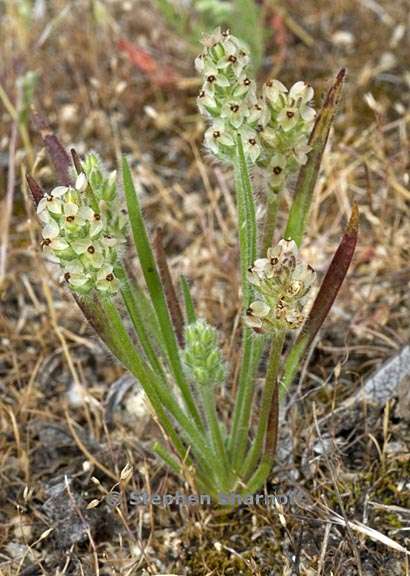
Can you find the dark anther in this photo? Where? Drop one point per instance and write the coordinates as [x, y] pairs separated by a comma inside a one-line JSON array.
[[70, 218], [91, 249], [257, 107], [109, 277], [259, 128], [46, 242], [290, 114], [202, 94], [97, 217], [246, 81], [274, 261], [252, 141], [269, 83], [232, 59], [234, 107], [67, 276], [216, 134], [277, 170], [211, 78]]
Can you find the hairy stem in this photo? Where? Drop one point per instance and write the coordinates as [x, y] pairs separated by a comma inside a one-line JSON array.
[[269, 225], [268, 396]]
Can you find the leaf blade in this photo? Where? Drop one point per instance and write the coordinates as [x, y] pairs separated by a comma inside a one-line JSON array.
[[155, 289], [308, 174]]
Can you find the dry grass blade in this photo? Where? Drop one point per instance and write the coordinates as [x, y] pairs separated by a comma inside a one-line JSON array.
[[371, 533]]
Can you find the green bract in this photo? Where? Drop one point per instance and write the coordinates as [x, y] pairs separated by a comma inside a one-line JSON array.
[[201, 354]]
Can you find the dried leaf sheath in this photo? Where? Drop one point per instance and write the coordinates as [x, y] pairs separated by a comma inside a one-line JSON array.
[[333, 280], [55, 149], [329, 289]]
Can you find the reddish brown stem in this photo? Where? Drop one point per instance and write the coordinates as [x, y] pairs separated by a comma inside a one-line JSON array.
[[169, 288], [55, 149]]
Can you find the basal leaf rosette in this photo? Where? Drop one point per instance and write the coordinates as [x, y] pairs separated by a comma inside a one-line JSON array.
[[83, 229], [283, 283]]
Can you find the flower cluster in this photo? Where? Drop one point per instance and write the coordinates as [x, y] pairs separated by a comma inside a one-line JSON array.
[[201, 354], [283, 282], [83, 227], [274, 126]]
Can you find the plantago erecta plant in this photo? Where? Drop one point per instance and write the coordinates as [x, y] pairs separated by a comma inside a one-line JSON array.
[[175, 355]]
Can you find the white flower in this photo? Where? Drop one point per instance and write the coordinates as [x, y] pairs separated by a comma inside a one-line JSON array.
[[75, 274], [51, 230], [251, 144], [288, 117], [59, 191], [273, 91], [216, 37], [256, 313], [52, 248], [235, 111], [308, 114], [206, 102], [301, 151], [109, 241], [259, 114], [81, 182], [91, 253], [85, 213], [301, 92], [70, 209], [278, 170], [217, 135], [244, 87], [106, 281]]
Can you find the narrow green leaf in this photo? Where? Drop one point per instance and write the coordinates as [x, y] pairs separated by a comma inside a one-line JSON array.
[[329, 289], [155, 289], [188, 302], [308, 174], [108, 322], [246, 22], [140, 328], [146, 308]]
